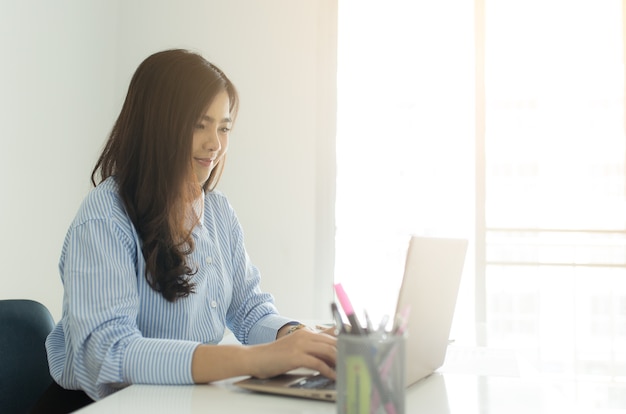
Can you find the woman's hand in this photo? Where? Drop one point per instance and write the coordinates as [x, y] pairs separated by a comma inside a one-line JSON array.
[[302, 348], [328, 330]]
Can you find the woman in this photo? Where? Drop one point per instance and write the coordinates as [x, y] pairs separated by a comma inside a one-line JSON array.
[[154, 266]]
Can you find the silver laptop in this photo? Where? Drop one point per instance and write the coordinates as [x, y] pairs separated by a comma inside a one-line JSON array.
[[430, 285]]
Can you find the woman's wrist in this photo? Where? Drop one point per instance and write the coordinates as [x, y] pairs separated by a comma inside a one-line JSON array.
[[289, 329]]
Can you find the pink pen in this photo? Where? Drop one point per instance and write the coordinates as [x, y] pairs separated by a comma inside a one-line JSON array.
[[348, 310]]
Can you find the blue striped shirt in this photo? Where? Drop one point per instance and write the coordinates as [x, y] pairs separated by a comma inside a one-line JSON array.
[[116, 330]]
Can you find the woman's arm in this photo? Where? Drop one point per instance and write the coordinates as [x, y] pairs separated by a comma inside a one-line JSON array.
[[301, 349]]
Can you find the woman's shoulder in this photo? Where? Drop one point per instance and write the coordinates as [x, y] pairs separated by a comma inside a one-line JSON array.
[[102, 202], [216, 198], [216, 204]]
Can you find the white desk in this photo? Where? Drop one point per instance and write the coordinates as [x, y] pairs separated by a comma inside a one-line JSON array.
[[437, 394], [468, 383]]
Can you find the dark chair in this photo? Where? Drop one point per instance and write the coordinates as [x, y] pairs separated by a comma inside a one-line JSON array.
[[24, 374]]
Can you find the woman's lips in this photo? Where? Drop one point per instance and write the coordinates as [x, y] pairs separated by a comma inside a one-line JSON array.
[[205, 162]]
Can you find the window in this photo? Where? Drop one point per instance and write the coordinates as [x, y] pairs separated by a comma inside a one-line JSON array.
[[404, 140], [501, 121], [555, 217]]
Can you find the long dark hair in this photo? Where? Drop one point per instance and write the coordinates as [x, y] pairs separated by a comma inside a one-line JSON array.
[[149, 154]]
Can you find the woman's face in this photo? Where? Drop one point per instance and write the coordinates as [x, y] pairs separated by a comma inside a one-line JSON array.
[[210, 137]]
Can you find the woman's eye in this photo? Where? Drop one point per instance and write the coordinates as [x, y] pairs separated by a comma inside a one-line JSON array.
[[225, 130], [199, 126]]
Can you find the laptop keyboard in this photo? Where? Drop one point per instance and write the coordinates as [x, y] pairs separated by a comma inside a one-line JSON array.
[[317, 382]]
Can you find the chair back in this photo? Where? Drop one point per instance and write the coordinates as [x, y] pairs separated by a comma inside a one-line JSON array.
[[24, 373]]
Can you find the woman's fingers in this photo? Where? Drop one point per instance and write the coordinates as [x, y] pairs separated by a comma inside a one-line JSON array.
[[300, 349], [319, 345]]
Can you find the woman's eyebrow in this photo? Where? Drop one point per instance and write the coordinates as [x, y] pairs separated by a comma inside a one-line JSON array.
[[211, 119]]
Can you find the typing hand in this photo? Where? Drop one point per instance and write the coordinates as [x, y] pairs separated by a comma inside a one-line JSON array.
[[303, 348]]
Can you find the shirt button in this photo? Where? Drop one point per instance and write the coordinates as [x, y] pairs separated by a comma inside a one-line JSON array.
[[213, 304], [208, 260]]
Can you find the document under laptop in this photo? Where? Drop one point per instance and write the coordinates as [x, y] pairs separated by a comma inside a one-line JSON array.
[[430, 285]]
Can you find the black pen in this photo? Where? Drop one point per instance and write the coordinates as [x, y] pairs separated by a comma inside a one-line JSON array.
[[339, 326]]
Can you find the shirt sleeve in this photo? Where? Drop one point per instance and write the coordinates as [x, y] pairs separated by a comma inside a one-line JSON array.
[[106, 348]]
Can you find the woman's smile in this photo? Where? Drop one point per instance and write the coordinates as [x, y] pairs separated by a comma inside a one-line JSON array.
[[205, 162]]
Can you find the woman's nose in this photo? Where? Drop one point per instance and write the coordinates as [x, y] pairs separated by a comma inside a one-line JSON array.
[[212, 142]]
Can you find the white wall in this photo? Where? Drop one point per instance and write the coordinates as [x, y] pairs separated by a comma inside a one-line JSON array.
[[57, 103], [64, 73]]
